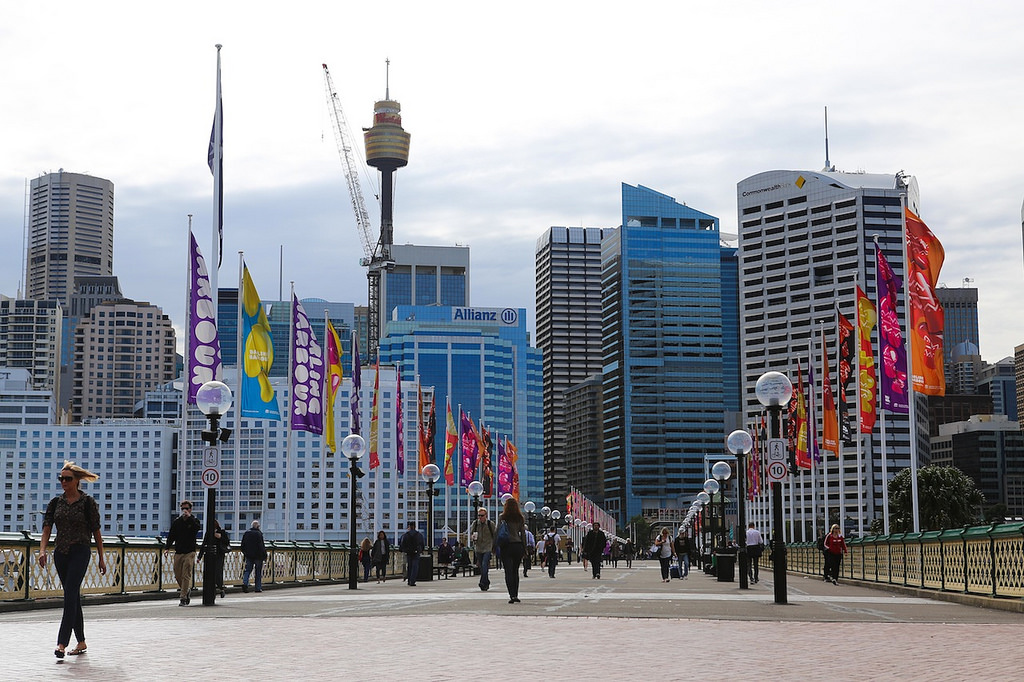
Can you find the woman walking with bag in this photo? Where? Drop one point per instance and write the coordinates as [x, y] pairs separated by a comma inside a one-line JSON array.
[[664, 553], [511, 539], [77, 516]]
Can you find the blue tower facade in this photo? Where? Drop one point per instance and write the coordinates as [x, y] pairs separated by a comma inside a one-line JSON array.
[[671, 352], [479, 359]]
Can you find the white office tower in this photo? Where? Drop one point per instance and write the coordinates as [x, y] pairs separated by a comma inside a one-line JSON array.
[[806, 242], [70, 233]]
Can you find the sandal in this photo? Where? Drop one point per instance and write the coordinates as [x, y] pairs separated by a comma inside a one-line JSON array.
[[78, 650]]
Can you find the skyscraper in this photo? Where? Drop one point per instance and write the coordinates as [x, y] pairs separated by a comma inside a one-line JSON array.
[[568, 298], [71, 233], [805, 244], [479, 359], [665, 376]]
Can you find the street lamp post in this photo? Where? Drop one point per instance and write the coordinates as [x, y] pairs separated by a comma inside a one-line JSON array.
[[545, 511], [740, 443], [555, 515], [353, 447], [529, 508], [704, 500], [213, 399], [722, 472], [430, 474], [774, 391], [475, 489]]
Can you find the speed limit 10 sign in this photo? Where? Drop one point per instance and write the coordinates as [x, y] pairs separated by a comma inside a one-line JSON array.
[[211, 477], [777, 471]]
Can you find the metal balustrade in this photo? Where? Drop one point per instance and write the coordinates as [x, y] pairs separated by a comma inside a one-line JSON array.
[[983, 560], [137, 565]]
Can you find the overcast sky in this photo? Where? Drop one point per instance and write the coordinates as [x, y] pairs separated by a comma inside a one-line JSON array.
[[523, 116]]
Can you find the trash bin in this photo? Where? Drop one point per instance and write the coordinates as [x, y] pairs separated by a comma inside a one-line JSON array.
[[707, 564], [426, 567], [725, 559]]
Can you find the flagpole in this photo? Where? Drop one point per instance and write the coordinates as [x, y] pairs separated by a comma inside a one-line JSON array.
[[812, 449], [824, 451], [288, 465], [217, 167], [323, 440], [186, 378], [240, 361], [911, 393]]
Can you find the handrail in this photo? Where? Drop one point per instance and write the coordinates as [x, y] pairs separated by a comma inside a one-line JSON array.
[[984, 560], [138, 565]]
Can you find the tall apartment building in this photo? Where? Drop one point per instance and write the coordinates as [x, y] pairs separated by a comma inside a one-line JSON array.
[[30, 338], [998, 381], [71, 233], [665, 380], [805, 243], [122, 350], [568, 299]]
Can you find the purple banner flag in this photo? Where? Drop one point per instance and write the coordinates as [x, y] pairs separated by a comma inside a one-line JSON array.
[[357, 385], [203, 342], [894, 383], [307, 411]]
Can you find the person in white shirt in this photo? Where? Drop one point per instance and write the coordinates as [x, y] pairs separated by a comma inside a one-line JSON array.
[[755, 547]]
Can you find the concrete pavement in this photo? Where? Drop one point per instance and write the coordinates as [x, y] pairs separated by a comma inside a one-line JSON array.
[[623, 624]]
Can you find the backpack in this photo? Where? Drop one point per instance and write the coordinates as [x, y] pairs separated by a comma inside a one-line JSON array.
[[821, 543]]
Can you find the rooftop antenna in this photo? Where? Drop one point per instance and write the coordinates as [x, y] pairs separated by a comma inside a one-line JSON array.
[[387, 78], [967, 282], [828, 165]]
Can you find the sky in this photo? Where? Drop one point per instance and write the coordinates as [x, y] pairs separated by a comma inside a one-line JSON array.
[[523, 116]]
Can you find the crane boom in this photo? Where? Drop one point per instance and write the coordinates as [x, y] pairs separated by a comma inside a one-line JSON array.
[[355, 191]]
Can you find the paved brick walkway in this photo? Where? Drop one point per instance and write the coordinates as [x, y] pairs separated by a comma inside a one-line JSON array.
[[603, 629]]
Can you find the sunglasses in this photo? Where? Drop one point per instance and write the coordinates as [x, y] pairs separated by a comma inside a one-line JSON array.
[[65, 478], [186, 509]]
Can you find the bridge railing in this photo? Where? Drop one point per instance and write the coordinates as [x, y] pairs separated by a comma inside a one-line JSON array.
[[985, 560], [140, 565]]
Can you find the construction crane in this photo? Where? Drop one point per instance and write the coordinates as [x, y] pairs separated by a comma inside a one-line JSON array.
[[355, 191], [387, 149]]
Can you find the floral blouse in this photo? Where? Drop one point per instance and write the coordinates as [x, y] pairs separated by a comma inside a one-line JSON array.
[[76, 522]]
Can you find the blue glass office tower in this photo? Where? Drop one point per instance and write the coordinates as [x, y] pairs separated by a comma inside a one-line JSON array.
[[671, 361], [479, 358]]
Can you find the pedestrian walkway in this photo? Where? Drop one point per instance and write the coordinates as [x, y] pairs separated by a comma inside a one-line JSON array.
[[601, 629]]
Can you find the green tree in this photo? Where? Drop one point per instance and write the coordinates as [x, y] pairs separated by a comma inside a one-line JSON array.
[[643, 530], [947, 498], [997, 513]]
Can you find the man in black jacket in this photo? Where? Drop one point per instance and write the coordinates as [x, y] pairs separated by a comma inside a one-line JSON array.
[[412, 544], [182, 539], [593, 547], [255, 551]]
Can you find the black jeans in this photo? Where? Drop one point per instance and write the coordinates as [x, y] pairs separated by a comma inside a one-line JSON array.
[[71, 568], [595, 565], [666, 561], [511, 557], [832, 564]]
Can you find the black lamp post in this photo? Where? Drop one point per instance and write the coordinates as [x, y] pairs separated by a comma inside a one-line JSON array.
[[529, 508], [475, 489], [214, 400], [721, 472], [774, 391], [740, 443], [353, 447], [430, 474], [545, 511], [703, 499]]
